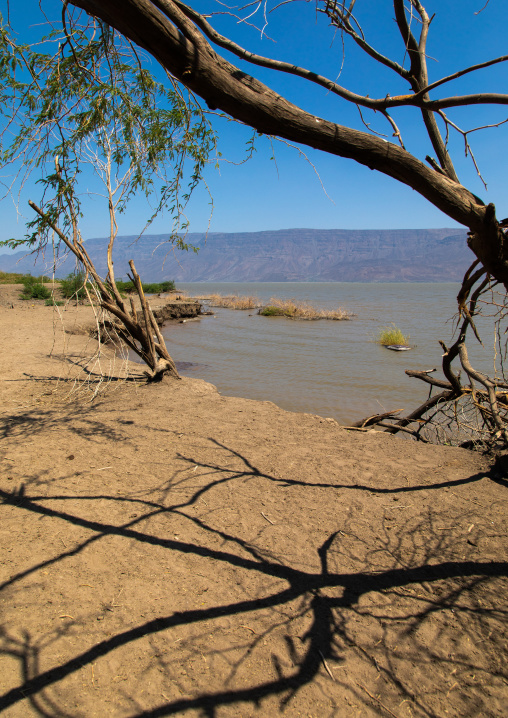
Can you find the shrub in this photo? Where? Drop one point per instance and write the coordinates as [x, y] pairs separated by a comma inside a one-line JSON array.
[[33, 288], [151, 288], [53, 303], [391, 335], [73, 286], [158, 287], [124, 287]]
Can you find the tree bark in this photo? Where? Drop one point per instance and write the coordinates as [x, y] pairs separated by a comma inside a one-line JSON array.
[[162, 29]]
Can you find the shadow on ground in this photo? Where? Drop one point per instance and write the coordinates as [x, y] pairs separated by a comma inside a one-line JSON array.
[[396, 616]]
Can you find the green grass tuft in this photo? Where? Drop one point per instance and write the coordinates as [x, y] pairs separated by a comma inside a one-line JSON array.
[[270, 311], [391, 335]]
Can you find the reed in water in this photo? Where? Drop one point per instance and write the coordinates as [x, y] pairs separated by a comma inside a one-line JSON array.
[[294, 309], [231, 301], [392, 335]]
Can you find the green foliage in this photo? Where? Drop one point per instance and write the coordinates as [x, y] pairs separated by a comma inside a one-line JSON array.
[[125, 287], [33, 288], [158, 287], [73, 286], [80, 96], [150, 288], [53, 303], [392, 335]]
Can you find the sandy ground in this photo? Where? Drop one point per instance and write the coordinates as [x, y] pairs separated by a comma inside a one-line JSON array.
[[169, 551]]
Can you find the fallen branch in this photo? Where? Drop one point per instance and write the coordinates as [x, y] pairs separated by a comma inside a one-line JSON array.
[[374, 419]]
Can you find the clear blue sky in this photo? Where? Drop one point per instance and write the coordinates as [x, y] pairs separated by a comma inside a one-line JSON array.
[[266, 194]]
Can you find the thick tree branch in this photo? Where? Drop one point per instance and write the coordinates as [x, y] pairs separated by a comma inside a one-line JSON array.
[[408, 37], [160, 27], [418, 99], [424, 376], [278, 65], [177, 44]]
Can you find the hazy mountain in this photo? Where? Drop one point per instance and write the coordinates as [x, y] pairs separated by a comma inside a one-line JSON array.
[[288, 255]]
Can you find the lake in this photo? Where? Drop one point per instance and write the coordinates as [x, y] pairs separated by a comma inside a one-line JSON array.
[[334, 369]]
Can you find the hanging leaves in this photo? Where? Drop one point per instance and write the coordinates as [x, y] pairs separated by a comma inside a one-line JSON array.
[[81, 92]]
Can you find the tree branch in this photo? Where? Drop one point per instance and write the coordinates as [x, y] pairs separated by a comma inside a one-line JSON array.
[[176, 43], [166, 32]]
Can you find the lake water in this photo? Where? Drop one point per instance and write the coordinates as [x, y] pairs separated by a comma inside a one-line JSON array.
[[331, 368]]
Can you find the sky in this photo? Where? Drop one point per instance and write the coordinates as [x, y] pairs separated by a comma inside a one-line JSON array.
[[279, 187]]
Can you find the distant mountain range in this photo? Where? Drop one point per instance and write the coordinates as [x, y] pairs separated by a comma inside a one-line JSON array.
[[286, 255]]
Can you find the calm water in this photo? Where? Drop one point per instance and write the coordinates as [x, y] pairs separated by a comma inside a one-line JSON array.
[[321, 367]]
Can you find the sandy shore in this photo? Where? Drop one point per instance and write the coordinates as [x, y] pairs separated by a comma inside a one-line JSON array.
[[169, 551]]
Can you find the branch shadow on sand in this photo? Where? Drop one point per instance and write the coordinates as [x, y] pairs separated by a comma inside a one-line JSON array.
[[80, 420], [413, 608]]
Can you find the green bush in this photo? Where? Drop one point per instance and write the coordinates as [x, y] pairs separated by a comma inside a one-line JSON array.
[[17, 278], [159, 287], [33, 288], [53, 303], [73, 286], [127, 287], [153, 288]]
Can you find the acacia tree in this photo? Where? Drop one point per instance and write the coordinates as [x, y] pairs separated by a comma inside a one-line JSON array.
[[189, 47]]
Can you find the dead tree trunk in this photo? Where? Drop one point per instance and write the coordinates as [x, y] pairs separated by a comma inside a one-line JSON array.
[[142, 336]]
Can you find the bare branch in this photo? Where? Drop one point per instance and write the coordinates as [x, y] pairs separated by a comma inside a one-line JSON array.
[[460, 73], [267, 62], [340, 17], [489, 385]]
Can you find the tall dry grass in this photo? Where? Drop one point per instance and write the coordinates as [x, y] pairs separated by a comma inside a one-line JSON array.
[[232, 301], [294, 309]]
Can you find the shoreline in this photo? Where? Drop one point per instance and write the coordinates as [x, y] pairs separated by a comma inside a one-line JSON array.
[[172, 551]]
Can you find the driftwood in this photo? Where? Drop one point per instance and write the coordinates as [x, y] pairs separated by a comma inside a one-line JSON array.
[[372, 420], [470, 405], [138, 334]]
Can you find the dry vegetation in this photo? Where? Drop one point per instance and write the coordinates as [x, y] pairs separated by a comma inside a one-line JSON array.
[[276, 308], [231, 301], [301, 310]]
